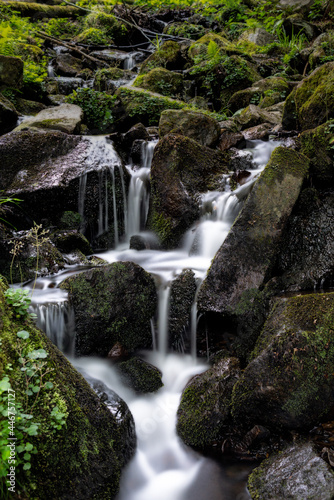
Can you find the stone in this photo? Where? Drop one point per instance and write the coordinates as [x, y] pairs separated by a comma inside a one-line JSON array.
[[289, 383], [259, 132], [8, 115], [228, 139], [249, 251], [259, 36], [205, 404], [101, 318], [67, 65], [296, 472], [296, 5], [71, 240], [11, 71], [66, 118], [253, 116], [162, 81], [141, 376], [311, 103], [195, 125], [181, 170], [168, 56]]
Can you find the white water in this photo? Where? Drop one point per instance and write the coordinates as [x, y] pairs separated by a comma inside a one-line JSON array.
[[163, 468]]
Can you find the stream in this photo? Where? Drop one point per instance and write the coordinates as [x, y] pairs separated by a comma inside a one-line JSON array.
[[163, 467]]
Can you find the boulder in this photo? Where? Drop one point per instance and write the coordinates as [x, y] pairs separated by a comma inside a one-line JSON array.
[[296, 24], [248, 254], [311, 103], [198, 126], [318, 145], [141, 376], [77, 424], [67, 65], [182, 296], [11, 71], [200, 46], [204, 408], [66, 118], [296, 5], [259, 36], [71, 240], [289, 382], [253, 116], [306, 257], [296, 472], [228, 139], [54, 172], [168, 56], [101, 318], [259, 132], [260, 91], [8, 115], [181, 170], [162, 81], [143, 106]]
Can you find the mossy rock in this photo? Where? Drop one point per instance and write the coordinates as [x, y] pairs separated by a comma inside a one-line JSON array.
[[162, 81], [289, 382], [101, 318], [181, 170], [70, 240], [202, 128], [141, 376], [93, 36], [11, 71], [201, 45], [108, 25], [264, 93], [318, 145], [185, 30], [167, 56], [144, 106], [107, 78], [248, 254], [182, 297], [205, 404], [87, 441], [8, 115], [30, 9], [311, 103]]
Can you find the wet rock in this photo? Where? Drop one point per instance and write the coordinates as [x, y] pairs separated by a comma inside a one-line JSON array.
[[68, 241], [240, 176], [289, 382], [317, 145], [259, 132], [66, 118], [124, 143], [182, 296], [26, 107], [260, 92], [137, 242], [67, 65], [181, 170], [108, 79], [228, 139], [249, 251], [202, 128], [11, 71], [101, 318], [117, 407], [296, 5], [305, 108], [296, 472], [117, 352], [205, 404], [162, 81], [141, 376], [8, 115], [253, 116], [305, 260], [240, 160], [200, 46], [62, 85]]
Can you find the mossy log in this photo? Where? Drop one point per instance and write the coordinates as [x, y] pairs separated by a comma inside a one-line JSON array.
[[27, 9]]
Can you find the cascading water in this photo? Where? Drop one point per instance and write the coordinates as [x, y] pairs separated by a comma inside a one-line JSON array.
[[163, 467]]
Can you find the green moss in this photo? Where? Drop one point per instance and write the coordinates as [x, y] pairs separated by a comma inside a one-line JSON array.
[[108, 25], [94, 36], [199, 48], [162, 81], [90, 436], [140, 376], [29, 9], [185, 30], [145, 106], [167, 56], [317, 145]]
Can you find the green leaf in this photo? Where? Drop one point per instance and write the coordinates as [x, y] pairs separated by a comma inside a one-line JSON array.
[[48, 385], [27, 456], [23, 334], [27, 466], [29, 447]]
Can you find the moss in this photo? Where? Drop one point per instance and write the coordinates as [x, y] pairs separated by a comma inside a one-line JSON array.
[[89, 445], [144, 106], [140, 376], [200, 46], [162, 225], [167, 56], [28, 9], [162, 81], [108, 26], [317, 145], [186, 30], [93, 36]]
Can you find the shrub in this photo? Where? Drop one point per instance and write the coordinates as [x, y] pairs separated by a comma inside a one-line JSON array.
[[97, 107]]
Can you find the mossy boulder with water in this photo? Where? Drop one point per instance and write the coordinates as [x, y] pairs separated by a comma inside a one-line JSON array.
[[182, 297], [295, 472], [81, 453], [112, 304], [247, 256], [264, 92], [141, 376], [311, 103], [289, 382], [162, 81], [198, 126], [205, 404], [181, 171], [168, 56]]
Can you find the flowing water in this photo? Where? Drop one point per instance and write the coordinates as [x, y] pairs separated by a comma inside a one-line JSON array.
[[162, 467]]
